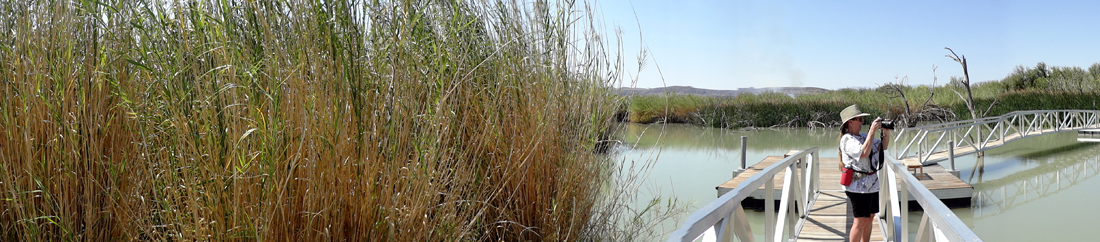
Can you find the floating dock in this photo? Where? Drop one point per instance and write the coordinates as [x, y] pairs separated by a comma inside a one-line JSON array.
[[1088, 135], [954, 192]]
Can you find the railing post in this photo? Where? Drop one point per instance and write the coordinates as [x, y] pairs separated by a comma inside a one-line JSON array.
[[808, 184], [769, 209], [816, 173], [799, 185], [885, 205], [792, 204], [903, 200]]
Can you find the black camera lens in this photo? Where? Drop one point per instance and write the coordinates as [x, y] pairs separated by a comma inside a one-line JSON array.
[[888, 124]]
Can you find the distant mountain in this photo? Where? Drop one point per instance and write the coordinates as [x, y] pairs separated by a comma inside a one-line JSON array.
[[794, 91]]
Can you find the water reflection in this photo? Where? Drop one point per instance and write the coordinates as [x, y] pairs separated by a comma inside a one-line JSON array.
[[996, 196], [1050, 172], [1038, 188], [696, 138], [979, 167]]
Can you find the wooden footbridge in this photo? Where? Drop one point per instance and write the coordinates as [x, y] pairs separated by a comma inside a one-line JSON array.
[[930, 144], [798, 181]]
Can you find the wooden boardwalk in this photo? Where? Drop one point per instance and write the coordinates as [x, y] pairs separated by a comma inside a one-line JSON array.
[[830, 217]]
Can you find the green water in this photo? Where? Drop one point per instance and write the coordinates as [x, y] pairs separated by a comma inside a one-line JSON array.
[[1030, 189]]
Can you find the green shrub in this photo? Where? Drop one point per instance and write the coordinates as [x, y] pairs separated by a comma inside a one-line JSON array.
[[1032, 100]]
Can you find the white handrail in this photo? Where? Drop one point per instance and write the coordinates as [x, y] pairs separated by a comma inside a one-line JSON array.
[[726, 217], [937, 222], [980, 133]]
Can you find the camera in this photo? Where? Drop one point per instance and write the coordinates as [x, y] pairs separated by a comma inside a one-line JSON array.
[[887, 124]]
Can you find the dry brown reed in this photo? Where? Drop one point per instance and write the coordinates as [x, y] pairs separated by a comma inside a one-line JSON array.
[[306, 121]]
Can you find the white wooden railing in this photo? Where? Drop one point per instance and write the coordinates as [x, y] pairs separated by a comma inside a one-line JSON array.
[[985, 133], [938, 222], [725, 218]]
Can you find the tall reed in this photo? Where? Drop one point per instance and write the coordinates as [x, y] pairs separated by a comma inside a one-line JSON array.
[[306, 120]]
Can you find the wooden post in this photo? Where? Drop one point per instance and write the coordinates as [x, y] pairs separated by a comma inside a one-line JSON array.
[[951, 157], [951, 153], [744, 147]]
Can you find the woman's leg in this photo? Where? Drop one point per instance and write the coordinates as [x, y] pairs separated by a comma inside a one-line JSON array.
[[856, 234], [863, 211], [867, 228], [861, 229], [873, 197]]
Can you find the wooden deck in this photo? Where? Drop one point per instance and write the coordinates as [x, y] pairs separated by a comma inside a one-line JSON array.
[[936, 178], [831, 217], [1088, 135]]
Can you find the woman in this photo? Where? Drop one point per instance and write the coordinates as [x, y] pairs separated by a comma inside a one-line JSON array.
[[861, 156]]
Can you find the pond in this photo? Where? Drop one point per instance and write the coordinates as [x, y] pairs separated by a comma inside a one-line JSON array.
[[1030, 189]]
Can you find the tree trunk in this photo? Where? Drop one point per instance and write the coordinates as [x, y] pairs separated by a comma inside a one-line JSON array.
[[969, 100]]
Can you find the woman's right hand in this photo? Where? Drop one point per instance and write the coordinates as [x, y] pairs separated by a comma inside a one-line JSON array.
[[875, 125]]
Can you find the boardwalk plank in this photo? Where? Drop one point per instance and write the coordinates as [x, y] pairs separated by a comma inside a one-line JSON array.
[[831, 218]]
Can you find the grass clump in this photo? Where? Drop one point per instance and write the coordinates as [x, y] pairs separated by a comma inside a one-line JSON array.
[[767, 109], [672, 108], [779, 113], [305, 120]]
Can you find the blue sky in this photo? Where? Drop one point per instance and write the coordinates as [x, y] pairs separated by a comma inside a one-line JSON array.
[[840, 44]]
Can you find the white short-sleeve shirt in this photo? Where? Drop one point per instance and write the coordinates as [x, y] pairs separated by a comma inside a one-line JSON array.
[[851, 148]]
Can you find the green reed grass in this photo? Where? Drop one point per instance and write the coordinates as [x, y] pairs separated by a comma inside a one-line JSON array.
[[819, 110], [673, 108], [307, 121]]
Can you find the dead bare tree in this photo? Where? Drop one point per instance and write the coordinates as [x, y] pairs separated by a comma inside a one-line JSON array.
[[898, 87], [931, 111], [932, 90], [969, 99], [926, 111]]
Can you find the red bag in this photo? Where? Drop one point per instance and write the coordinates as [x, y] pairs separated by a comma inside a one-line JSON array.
[[846, 176]]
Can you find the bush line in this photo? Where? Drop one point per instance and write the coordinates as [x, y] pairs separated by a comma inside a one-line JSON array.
[[821, 110]]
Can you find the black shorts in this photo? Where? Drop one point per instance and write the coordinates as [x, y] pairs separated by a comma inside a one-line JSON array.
[[863, 204]]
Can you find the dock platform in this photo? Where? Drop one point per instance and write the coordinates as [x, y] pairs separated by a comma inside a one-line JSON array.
[[954, 192], [831, 217]]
